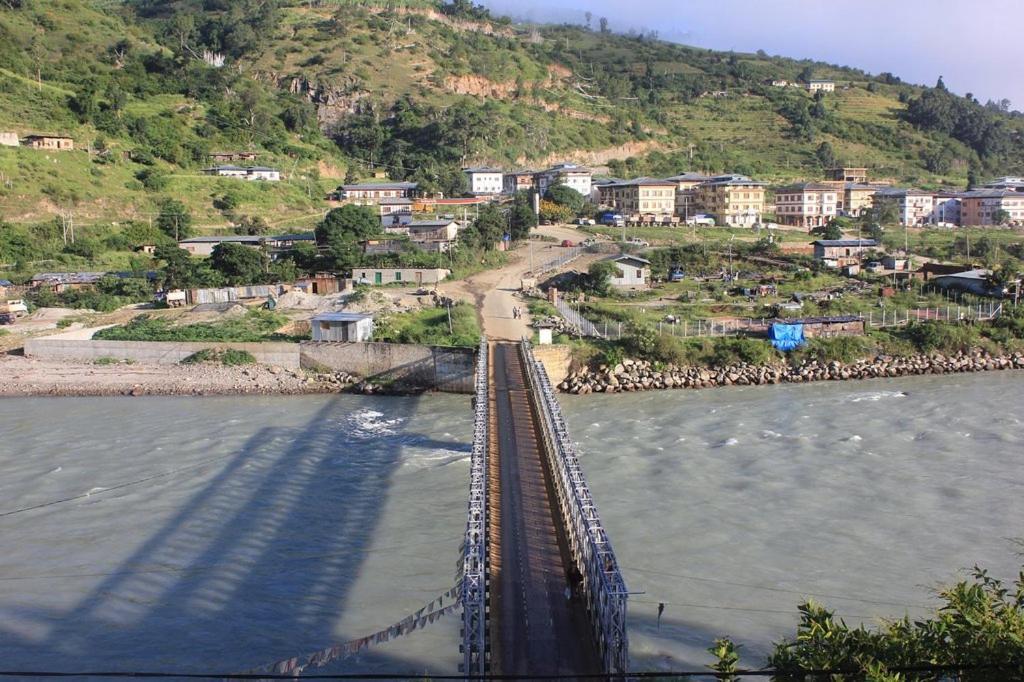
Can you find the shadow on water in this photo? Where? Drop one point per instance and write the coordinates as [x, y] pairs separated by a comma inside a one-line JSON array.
[[276, 538]]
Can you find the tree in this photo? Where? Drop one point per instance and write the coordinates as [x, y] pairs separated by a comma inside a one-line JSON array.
[[487, 230], [603, 23], [566, 196], [178, 267], [341, 231], [1000, 217], [831, 230], [522, 219], [599, 277], [174, 219], [807, 75], [826, 156], [974, 635], [240, 264], [555, 213]]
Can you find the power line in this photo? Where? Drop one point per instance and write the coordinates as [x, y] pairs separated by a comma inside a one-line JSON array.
[[1007, 666]]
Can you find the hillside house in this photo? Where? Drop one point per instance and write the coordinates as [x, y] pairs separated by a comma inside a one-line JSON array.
[[9, 140], [485, 181], [568, 174], [203, 246], [967, 282], [406, 276], [374, 192], [807, 205], [226, 171], [56, 143], [821, 86], [849, 174], [838, 253], [1014, 183], [913, 206], [58, 282], [981, 207], [342, 327], [640, 195], [262, 173], [519, 181], [632, 272]]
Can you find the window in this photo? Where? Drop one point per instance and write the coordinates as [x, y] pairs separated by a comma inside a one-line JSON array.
[[398, 275]]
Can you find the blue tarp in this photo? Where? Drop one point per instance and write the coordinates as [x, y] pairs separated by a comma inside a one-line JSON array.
[[787, 336]]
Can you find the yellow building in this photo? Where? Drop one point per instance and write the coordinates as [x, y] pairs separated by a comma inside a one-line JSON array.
[[686, 193], [639, 196], [734, 200]]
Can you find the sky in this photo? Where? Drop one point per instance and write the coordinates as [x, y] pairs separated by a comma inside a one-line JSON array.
[[976, 47]]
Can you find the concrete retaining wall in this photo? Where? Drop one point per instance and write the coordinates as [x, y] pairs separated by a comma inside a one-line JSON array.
[[405, 366], [154, 352], [557, 361]]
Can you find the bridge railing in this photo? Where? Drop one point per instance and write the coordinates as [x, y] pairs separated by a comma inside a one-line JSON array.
[[601, 585], [473, 569]]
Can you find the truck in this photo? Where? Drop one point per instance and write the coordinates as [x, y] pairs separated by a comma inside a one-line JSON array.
[[11, 310], [701, 220], [613, 219]]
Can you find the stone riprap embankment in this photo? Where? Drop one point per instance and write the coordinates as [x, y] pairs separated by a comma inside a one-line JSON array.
[[640, 375]]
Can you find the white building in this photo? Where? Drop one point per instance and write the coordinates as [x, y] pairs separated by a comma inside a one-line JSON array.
[[484, 180], [632, 272], [822, 86], [226, 171], [568, 174], [342, 327], [913, 207], [9, 140], [403, 276], [947, 209], [807, 205], [263, 173]]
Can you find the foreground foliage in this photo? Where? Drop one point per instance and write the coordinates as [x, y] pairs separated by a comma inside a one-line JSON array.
[[254, 326]]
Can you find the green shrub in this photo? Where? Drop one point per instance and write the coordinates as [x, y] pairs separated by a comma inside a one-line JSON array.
[[931, 336], [254, 326], [106, 360], [228, 357], [845, 349]]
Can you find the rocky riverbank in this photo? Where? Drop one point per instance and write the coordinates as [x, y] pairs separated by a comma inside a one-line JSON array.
[[640, 375], [20, 376]]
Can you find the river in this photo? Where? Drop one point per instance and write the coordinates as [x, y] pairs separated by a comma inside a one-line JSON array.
[[219, 534]]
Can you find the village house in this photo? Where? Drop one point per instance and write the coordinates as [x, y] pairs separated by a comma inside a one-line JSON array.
[[342, 327], [807, 205], [430, 235], [734, 200], [1015, 183], [982, 207], [686, 192], [290, 241], [838, 253], [486, 181], [406, 276], [779, 83], [631, 272], [821, 86], [263, 173], [913, 207], [966, 282], [947, 210], [50, 142], [9, 140], [254, 173], [374, 192], [519, 181], [640, 196], [321, 283], [848, 174], [58, 282], [203, 246], [373, 247], [568, 174]]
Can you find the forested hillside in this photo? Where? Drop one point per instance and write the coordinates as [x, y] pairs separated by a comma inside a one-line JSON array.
[[324, 90]]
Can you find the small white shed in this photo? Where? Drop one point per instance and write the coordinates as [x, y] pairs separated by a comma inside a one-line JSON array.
[[631, 271], [344, 327]]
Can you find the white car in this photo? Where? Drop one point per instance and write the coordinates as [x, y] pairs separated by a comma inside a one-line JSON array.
[[636, 241]]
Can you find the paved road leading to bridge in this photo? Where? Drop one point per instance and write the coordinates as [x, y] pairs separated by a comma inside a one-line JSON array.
[[535, 629]]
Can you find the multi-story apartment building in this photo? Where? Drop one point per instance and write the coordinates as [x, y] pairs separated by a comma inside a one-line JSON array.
[[686, 193], [734, 200], [488, 181], [639, 196], [568, 174], [808, 205], [519, 181], [913, 207], [855, 198], [982, 207]]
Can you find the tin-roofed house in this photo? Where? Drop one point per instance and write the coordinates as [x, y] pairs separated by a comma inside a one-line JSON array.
[[632, 272], [342, 327], [838, 253]]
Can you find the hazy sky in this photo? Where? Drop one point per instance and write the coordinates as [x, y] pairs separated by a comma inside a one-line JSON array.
[[976, 46]]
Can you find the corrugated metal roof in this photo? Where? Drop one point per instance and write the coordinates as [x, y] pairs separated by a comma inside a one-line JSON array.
[[341, 317]]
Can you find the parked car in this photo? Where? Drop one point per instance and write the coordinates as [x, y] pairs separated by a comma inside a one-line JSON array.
[[636, 241], [567, 242], [6, 318], [589, 241], [586, 221], [676, 275]]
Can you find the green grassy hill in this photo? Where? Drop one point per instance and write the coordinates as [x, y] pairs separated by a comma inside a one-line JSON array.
[[419, 88]]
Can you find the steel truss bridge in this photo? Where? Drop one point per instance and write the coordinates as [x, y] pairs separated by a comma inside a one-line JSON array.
[[541, 589]]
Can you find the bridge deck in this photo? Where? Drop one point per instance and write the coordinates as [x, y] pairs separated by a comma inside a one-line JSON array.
[[535, 630]]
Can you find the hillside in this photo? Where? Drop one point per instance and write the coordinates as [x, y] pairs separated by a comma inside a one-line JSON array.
[[333, 88]]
